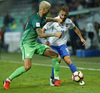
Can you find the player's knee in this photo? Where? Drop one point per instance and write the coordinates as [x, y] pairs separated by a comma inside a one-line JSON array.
[[27, 67], [68, 61], [51, 53]]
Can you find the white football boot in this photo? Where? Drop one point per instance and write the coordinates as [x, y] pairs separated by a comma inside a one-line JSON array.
[[51, 82], [81, 83]]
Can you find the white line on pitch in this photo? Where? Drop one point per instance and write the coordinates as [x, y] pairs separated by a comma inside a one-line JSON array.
[[51, 65], [83, 62]]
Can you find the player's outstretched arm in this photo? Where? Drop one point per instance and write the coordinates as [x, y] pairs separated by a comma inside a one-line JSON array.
[[79, 34], [41, 34], [43, 29], [49, 19]]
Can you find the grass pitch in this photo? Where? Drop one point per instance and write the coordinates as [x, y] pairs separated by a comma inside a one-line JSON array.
[[36, 80]]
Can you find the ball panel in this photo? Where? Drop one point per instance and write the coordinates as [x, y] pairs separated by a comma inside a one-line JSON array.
[[77, 76]]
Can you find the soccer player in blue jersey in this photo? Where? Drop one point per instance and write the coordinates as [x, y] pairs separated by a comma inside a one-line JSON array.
[[59, 45], [29, 45]]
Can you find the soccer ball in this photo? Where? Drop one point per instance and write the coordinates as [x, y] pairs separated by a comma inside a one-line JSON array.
[[77, 76]]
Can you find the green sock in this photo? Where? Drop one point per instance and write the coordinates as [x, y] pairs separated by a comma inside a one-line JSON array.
[[55, 62], [17, 72]]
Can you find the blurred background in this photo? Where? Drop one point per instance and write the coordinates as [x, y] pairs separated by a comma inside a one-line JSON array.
[[14, 14]]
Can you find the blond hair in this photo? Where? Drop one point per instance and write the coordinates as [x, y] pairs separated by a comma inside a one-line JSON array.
[[44, 4]]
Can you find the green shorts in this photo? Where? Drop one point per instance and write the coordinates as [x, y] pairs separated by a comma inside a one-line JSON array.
[[29, 50]]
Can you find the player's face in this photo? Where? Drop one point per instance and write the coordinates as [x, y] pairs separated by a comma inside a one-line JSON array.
[[63, 15], [46, 10]]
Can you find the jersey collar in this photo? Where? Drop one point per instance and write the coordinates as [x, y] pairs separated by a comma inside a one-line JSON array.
[[38, 14]]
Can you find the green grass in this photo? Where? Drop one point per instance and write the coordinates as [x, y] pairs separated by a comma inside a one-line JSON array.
[[36, 80]]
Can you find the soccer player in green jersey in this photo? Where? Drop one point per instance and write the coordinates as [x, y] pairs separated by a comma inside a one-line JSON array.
[[29, 45]]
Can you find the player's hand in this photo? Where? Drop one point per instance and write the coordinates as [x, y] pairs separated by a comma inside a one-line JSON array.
[[59, 20], [48, 44], [59, 34], [83, 41]]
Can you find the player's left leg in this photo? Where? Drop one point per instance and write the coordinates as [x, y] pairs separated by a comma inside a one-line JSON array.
[[27, 54], [18, 72], [72, 67], [64, 53], [69, 63]]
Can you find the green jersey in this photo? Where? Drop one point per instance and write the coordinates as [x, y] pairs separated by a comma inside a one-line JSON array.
[[30, 35]]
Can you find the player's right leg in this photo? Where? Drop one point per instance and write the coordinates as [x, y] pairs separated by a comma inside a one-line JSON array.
[[18, 72], [55, 61], [52, 73]]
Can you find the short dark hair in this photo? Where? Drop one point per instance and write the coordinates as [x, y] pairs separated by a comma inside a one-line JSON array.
[[64, 8]]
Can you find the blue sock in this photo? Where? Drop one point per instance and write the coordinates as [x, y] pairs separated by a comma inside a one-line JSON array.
[[52, 74], [73, 67]]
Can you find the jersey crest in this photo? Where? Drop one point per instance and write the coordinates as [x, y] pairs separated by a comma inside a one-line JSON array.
[[66, 25]]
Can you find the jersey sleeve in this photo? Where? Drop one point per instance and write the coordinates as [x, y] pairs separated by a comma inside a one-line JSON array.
[[36, 24], [72, 25], [48, 25]]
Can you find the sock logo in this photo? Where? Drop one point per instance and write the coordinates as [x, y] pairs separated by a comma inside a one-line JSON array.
[[27, 54]]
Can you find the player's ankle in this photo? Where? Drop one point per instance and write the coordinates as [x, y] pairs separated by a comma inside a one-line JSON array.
[[57, 78], [8, 80]]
